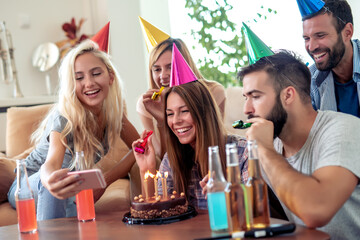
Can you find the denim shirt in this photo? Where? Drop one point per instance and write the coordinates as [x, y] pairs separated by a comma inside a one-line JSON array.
[[322, 89]]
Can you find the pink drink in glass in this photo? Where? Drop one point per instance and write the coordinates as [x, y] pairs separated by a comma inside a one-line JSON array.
[[85, 205], [26, 215]]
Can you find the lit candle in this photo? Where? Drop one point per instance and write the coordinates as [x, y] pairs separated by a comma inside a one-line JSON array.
[[156, 179], [164, 185], [146, 184], [152, 176]]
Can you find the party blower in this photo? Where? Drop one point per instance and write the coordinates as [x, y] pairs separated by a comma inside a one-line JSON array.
[[141, 148], [239, 124], [157, 94]]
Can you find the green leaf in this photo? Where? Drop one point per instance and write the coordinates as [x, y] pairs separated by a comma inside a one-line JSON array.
[[224, 56]]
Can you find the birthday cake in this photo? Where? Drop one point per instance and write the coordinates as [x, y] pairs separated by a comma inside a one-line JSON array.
[[157, 207]]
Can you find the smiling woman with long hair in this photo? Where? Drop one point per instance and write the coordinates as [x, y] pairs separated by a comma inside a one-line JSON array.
[[88, 117], [193, 123]]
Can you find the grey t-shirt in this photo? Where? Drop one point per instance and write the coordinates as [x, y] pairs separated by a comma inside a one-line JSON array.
[[333, 141], [37, 157]]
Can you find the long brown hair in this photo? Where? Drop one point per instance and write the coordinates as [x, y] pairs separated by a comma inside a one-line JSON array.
[[209, 132]]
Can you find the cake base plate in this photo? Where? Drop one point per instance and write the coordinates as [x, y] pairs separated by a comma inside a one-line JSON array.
[[191, 212]]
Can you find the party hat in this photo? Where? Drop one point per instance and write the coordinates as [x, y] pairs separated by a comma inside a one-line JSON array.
[[309, 7], [181, 72], [256, 48], [102, 38], [152, 35]]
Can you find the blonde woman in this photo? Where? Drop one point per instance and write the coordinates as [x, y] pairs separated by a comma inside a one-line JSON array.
[[89, 116], [150, 111]]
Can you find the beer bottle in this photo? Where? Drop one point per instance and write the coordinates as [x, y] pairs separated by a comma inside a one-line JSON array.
[[235, 192], [257, 189]]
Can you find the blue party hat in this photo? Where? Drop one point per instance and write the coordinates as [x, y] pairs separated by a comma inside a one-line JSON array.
[[309, 7]]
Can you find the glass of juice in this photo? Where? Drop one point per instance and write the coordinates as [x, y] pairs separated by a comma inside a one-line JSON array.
[[85, 205], [25, 209]]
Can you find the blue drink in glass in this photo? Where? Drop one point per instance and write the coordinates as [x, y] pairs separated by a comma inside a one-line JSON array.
[[217, 211]]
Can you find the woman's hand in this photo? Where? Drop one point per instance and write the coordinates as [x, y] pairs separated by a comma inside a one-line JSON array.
[[203, 183], [147, 160], [60, 184], [154, 107], [55, 179]]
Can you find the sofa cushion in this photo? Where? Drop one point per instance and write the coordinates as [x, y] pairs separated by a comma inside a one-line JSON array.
[[8, 215], [7, 176], [21, 122], [115, 198]]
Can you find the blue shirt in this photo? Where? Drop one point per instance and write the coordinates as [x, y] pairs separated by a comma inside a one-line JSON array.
[[346, 95], [322, 90]]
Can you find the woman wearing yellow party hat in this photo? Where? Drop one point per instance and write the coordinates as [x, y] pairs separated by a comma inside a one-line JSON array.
[[150, 110]]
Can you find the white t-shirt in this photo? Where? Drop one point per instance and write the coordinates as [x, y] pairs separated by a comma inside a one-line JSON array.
[[334, 140]]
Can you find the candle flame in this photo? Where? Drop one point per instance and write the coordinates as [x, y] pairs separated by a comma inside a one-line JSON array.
[[147, 174], [151, 175], [158, 174], [166, 174]]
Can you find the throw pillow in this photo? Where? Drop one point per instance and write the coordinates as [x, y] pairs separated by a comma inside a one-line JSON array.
[[7, 176]]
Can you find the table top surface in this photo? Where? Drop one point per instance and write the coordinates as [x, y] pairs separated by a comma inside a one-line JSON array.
[[110, 226]]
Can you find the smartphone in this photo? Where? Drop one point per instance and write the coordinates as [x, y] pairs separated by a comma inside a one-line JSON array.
[[92, 179]]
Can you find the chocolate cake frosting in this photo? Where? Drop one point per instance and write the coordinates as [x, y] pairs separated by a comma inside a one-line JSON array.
[[158, 208]]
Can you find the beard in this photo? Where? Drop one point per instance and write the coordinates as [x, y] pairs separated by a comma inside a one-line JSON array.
[[278, 116], [335, 55]]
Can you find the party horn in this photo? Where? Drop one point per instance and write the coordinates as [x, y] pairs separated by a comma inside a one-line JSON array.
[[141, 148], [157, 94], [239, 124]]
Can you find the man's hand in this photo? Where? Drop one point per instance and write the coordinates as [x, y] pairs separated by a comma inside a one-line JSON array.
[[262, 131]]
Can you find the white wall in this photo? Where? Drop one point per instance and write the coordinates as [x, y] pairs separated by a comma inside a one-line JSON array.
[[45, 18], [45, 25], [355, 7], [128, 47]]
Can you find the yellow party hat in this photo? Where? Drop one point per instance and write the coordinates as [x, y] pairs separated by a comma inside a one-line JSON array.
[[152, 35]]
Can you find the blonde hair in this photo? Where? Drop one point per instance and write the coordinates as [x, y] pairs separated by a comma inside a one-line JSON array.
[[82, 123]]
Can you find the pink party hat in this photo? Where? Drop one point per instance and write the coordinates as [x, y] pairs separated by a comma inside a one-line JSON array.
[[102, 38], [181, 72]]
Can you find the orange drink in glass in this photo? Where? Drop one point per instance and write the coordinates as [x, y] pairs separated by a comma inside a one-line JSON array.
[[26, 215], [85, 205]]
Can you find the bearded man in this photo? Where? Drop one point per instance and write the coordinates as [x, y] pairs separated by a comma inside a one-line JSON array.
[[309, 158], [335, 81]]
